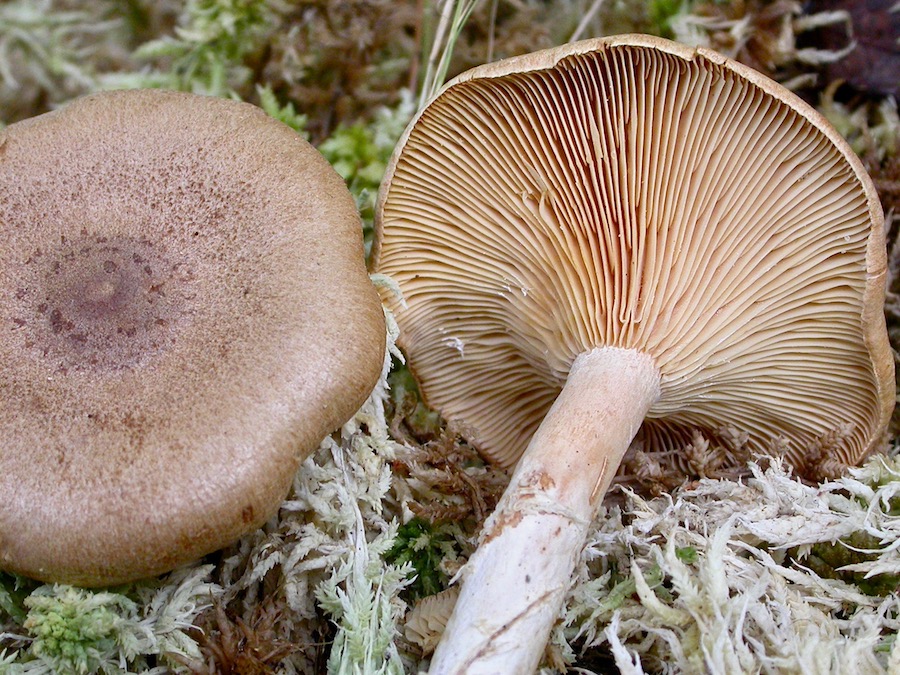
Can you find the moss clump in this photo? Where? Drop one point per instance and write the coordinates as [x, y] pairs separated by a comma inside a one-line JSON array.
[[424, 546], [213, 50], [76, 631], [360, 154], [830, 559]]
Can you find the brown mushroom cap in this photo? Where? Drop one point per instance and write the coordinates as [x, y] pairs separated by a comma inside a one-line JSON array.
[[185, 314], [636, 193]]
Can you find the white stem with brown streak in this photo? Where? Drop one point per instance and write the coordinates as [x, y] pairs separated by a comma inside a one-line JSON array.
[[514, 585]]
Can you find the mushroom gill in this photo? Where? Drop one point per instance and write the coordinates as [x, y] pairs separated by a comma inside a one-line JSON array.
[[671, 205], [623, 239]]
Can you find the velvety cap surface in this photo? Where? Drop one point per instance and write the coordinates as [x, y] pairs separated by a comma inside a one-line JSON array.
[[635, 193], [184, 314]]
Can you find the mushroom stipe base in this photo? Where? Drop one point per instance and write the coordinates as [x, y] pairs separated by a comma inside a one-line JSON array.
[[532, 540]]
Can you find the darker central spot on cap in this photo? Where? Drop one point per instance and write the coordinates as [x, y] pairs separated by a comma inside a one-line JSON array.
[[102, 302]]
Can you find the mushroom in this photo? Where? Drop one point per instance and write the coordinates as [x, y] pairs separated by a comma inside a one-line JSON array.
[[619, 240], [185, 314]]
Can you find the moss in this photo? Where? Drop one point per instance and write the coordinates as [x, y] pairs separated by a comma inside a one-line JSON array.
[[13, 592], [285, 113], [424, 547], [75, 631], [360, 154], [660, 13], [828, 560], [213, 49]]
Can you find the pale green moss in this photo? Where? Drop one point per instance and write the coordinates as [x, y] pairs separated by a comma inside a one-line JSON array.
[[74, 631], [740, 602], [207, 53], [77, 631]]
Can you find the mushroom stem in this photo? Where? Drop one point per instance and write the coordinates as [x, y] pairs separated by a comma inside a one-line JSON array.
[[514, 585]]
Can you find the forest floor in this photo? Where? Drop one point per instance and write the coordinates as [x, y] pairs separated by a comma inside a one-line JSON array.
[[717, 571]]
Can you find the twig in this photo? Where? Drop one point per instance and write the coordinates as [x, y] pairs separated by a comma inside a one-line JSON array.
[[586, 19]]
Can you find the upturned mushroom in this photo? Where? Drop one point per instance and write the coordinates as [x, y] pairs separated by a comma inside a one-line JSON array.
[[623, 239], [185, 315]]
